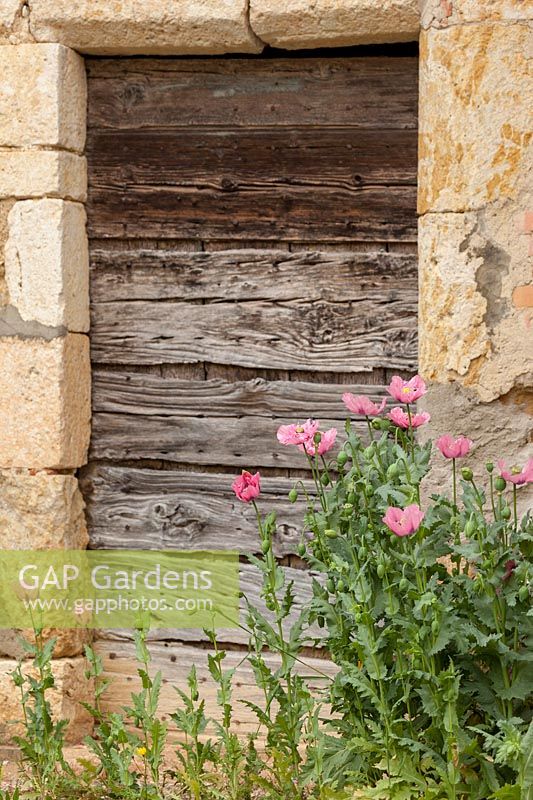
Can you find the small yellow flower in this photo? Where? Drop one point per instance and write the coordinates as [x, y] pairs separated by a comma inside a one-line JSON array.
[[141, 751]]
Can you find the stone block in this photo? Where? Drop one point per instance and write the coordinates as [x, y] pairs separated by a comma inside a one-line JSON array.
[[43, 97], [153, 27], [47, 263], [293, 24], [44, 402], [475, 137], [71, 688], [470, 329], [41, 511], [42, 173]]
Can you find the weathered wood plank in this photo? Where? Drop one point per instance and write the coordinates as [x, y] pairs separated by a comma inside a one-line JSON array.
[[349, 337], [240, 442], [156, 395], [175, 661], [234, 158], [375, 92], [148, 274], [249, 583], [149, 509], [290, 213]]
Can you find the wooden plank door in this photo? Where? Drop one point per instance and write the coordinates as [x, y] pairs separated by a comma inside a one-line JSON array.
[[252, 234]]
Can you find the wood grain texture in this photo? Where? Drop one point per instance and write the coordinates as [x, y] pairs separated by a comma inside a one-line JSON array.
[[349, 337], [249, 583], [232, 149], [362, 92], [150, 274], [175, 661], [123, 392], [235, 158], [291, 213], [150, 509]]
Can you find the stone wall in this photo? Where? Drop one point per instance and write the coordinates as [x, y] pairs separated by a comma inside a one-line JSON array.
[[475, 202], [476, 224]]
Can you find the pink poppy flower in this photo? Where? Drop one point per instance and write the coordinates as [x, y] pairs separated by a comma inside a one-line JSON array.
[[454, 448], [405, 521], [401, 418], [407, 391], [516, 475], [327, 440], [298, 433], [247, 486], [359, 404]]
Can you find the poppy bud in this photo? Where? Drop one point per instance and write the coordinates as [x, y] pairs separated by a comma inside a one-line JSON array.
[[500, 484], [523, 593], [489, 466], [381, 570], [340, 586], [435, 627], [393, 471], [404, 585], [293, 495], [362, 553], [330, 533], [467, 474], [342, 458], [324, 479], [506, 513], [330, 586], [320, 621], [302, 550], [470, 527]]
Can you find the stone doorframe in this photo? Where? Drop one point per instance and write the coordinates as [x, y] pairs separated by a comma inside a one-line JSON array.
[[475, 230]]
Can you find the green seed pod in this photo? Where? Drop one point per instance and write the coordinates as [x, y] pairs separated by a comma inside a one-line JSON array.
[[381, 570], [330, 533], [489, 466], [506, 513], [293, 495], [470, 527], [500, 484], [342, 458], [404, 585], [302, 550], [467, 474], [393, 472], [324, 479], [265, 546], [435, 627], [523, 593]]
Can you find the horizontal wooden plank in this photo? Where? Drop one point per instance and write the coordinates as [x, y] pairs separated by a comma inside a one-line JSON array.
[[240, 442], [175, 660], [328, 337], [231, 159], [141, 394], [250, 581], [149, 274], [291, 213], [148, 509], [365, 92]]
